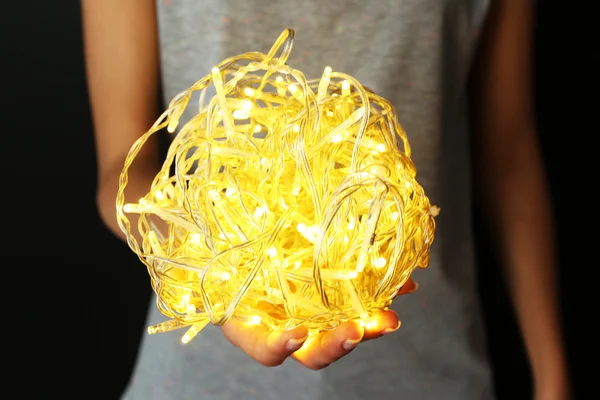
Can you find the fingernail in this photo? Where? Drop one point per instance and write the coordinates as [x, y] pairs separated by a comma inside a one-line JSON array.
[[350, 344], [390, 330], [414, 288], [295, 344]]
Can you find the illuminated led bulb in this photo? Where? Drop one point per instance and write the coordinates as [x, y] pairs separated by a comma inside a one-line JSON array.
[[254, 320], [159, 195], [379, 171], [381, 262], [295, 91], [241, 114], [309, 232], [324, 84], [186, 306], [368, 323], [166, 326], [345, 88], [194, 330], [339, 137], [229, 192], [351, 223], [260, 211], [272, 252]]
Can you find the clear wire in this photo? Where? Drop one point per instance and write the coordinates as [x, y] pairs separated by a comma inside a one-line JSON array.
[[292, 202]]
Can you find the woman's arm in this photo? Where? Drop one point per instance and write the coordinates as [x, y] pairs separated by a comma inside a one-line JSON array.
[[516, 196], [121, 50]]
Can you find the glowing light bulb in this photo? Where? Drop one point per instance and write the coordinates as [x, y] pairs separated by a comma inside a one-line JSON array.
[[194, 330], [241, 114], [381, 262], [272, 252], [309, 232], [351, 223], [229, 192], [345, 88], [254, 320], [260, 211]]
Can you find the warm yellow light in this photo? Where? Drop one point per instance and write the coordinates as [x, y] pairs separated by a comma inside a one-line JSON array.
[[287, 202], [368, 324], [272, 252], [254, 319]]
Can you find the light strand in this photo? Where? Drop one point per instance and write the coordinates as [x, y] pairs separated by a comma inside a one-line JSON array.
[[287, 201]]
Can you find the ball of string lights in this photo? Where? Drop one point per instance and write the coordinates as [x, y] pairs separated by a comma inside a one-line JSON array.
[[283, 201]]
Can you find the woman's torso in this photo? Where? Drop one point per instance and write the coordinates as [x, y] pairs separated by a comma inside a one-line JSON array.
[[415, 53]]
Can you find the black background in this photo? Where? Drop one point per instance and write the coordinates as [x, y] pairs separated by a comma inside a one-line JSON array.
[[74, 298]]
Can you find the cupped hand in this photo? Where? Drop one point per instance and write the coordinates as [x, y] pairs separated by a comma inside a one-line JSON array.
[[272, 348]]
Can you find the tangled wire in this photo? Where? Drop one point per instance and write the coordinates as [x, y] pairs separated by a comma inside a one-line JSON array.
[[286, 201]]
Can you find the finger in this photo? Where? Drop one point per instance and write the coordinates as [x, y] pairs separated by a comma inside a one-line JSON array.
[[269, 348], [409, 286], [327, 347], [381, 323]]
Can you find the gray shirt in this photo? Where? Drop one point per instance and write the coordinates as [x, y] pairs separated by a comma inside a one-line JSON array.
[[417, 54]]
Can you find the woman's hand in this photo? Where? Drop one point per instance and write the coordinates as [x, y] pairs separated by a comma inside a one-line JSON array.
[[271, 348]]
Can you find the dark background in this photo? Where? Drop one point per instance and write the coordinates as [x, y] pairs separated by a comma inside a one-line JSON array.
[[74, 298]]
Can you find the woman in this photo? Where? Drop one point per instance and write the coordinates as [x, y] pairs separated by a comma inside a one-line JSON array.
[[419, 54]]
